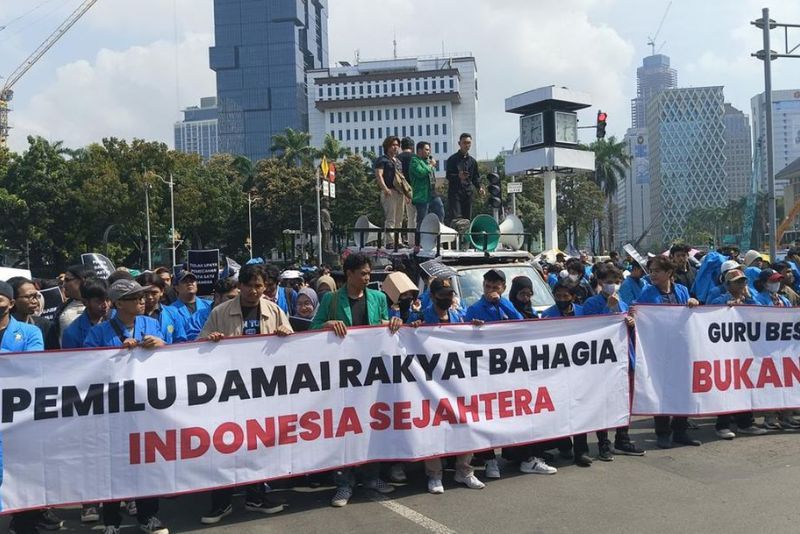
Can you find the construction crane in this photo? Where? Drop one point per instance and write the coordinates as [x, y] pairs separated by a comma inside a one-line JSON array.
[[651, 41], [750, 208], [6, 93], [787, 222]]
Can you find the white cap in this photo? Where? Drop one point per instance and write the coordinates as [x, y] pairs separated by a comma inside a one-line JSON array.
[[728, 265], [291, 274]]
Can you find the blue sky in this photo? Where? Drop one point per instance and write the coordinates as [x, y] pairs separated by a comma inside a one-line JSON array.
[[128, 66]]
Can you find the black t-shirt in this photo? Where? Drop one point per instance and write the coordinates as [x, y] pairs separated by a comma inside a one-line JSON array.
[[671, 297], [405, 161], [251, 321], [358, 310], [388, 167]]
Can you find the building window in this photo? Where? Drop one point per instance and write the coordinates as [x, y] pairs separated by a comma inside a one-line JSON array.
[[393, 87], [427, 112], [320, 92], [331, 117], [441, 84], [419, 112], [363, 116], [339, 115], [369, 89], [329, 91], [395, 113], [452, 84], [408, 87], [396, 131], [377, 88], [444, 129], [372, 133], [404, 131], [425, 85], [355, 134], [444, 147], [337, 90], [363, 133], [356, 150], [385, 88], [347, 116], [435, 111], [355, 116], [412, 130], [341, 137], [380, 114], [380, 133], [436, 147], [435, 129], [403, 113], [410, 113], [348, 135], [428, 129], [371, 115], [360, 91], [444, 111], [345, 90], [417, 85]]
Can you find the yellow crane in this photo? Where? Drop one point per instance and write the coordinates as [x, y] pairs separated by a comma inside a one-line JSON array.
[[787, 222], [6, 92]]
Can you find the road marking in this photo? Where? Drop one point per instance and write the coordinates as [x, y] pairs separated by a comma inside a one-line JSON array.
[[410, 514]]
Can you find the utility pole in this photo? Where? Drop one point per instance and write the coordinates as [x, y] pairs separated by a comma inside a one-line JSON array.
[[147, 219], [250, 220]]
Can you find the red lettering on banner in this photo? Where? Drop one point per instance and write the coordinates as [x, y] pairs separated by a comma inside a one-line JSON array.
[[791, 372], [153, 444], [543, 401], [187, 435], [265, 434], [444, 412], [311, 429], [486, 399], [327, 423], [425, 419], [723, 383], [465, 409], [402, 415], [134, 453], [287, 426], [768, 374], [504, 404], [701, 377], [219, 438], [349, 422], [380, 420], [740, 376], [522, 402]]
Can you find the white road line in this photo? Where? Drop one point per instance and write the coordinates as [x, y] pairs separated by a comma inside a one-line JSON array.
[[410, 514]]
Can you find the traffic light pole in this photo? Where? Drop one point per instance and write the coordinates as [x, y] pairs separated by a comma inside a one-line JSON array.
[[550, 220]]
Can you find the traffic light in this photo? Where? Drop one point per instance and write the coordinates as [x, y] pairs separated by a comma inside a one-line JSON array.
[[494, 200], [601, 124]]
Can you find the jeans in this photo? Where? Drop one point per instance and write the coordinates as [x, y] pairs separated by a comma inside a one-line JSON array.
[[665, 426], [345, 477], [434, 206], [146, 508]]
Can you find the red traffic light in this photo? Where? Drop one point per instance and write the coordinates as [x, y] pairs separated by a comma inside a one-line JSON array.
[[601, 117]]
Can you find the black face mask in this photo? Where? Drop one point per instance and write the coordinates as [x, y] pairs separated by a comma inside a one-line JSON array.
[[444, 303], [404, 304], [563, 305]]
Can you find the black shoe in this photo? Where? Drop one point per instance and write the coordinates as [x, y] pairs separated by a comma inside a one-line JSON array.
[[547, 457], [49, 520], [265, 505], [663, 442], [604, 454], [583, 460], [628, 448], [566, 454], [684, 439], [215, 515], [20, 527], [691, 425]]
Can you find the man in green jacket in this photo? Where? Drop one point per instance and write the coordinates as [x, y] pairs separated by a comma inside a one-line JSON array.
[[423, 185], [355, 305]]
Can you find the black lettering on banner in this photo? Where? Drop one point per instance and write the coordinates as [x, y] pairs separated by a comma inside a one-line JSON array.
[[428, 364], [71, 401], [303, 379], [233, 386], [452, 367], [15, 400], [376, 372], [519, 361], [129, 397], [402, 370], [152, 393], [263, 386], [348, 373], [472, 356], [497, 361], [45, 398]]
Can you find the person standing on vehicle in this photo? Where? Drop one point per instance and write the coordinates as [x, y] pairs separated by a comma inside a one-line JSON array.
[[393, 201], [462, 179]]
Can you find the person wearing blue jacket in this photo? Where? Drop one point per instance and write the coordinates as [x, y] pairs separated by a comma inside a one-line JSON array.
[[94, 294], [716, 291], [173, 330], [767, 286], [187, 303], [129, 328], [565, 306], [284, 297], [737, 290], [664, 291], [633, 285], [492, 307], [16, 336]]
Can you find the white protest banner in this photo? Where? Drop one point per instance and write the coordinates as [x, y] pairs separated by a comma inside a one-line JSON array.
[[716, 360], [97, 425]]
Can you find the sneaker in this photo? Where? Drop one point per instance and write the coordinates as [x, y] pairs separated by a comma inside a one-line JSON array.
[[397, 473], [471, 481], [753, 431], [537, 466], [770, 423], [492, 469], [265, 504], [376, 484], [683, 439], [153, 526], [604, 453], [216, 514], [130, 507], [435, 486], [583, 460], [663, 442], [627, 448], [89, 513], [342, 496], [110, 529], [725, 433], [789, 422], [49, 520]]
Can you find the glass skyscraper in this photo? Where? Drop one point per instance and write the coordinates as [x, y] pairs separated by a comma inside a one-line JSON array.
[[261, 53]]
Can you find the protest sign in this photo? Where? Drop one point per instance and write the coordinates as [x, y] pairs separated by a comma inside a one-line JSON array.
[[102, 265], [119, 424], [437, 269], [52, 300], [720, 360], [204, 264]]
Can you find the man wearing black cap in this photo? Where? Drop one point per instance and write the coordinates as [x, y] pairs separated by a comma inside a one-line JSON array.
[[129, 328], [187, 303]]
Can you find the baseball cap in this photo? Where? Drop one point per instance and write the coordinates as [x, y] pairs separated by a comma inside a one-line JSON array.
[[6, 290], [291, 274], [182, 275], [122, 289], [728, 265], [733, 275], [494, 274], [769, 275], [440, 285]]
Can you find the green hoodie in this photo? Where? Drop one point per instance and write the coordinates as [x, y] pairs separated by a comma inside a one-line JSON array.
[[420, 179]]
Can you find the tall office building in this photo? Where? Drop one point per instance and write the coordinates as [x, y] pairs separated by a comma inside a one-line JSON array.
[[686, 134], [655, 75], [261, 53], [785, 133], [426, 99], [738, 158], [197, 132]]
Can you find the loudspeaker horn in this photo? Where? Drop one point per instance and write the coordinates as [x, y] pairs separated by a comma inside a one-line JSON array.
[[430, 228], [484, 224], [369, 237], [512, 225]]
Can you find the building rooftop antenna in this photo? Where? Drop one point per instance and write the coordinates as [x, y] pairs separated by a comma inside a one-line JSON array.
[[651, 41]]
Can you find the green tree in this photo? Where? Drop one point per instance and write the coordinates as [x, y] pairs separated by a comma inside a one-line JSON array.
[[292, 146], [332, 149], [611, 164], [579, 201]]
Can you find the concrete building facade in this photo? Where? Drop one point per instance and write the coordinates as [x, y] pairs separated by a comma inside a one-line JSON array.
[[197, 132]]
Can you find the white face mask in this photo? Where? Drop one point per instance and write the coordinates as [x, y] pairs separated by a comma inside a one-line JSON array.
[[574, 277], [773, 287], [610, 289]]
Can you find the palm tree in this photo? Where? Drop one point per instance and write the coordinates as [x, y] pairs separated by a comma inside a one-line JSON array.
[[293, 147], [332, 149], [611, 163]]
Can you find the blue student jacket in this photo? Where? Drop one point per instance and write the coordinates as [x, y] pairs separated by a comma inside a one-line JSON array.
[[196, 323], [763, 299], [630, 290], [725, 297], [553, 311], [76, 332], [430, 316], [412, 315], [552, 280], [714, 293], [21, 337], [103, 334], [489, 312], [651, 295], [598, 305], [173, 330], [182, 313]]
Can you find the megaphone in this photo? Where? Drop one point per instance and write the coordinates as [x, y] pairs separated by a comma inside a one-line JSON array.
[[430, 228], [368, 237], [512, 225], [484, 224]]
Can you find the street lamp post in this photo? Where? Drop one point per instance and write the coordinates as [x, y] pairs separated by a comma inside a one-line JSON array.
[[147, 219], [250, 219], [171, 185]]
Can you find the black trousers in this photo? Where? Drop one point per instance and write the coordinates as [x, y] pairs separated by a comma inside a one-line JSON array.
[[581, 445], [742, 420], [666, 425], [459, 204], [145, 508], [221, 498]]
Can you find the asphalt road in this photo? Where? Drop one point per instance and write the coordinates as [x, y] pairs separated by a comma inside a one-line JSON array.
[[749, 484]]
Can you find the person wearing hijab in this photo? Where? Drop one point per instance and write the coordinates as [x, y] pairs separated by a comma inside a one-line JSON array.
[[325, 284], [307, 304], [520, 296]]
